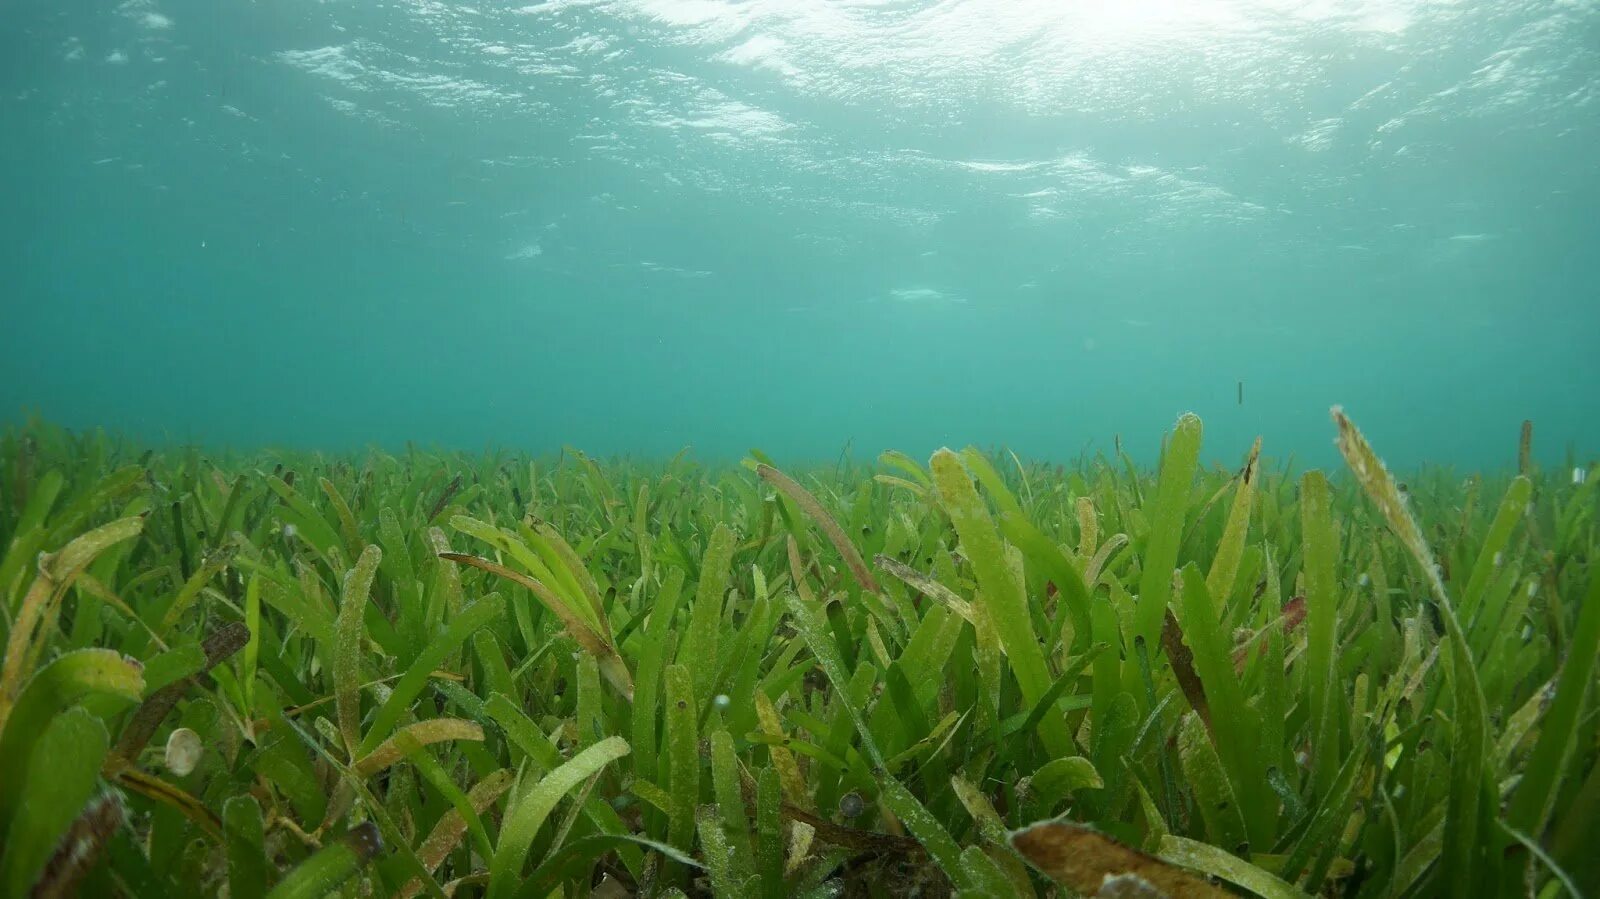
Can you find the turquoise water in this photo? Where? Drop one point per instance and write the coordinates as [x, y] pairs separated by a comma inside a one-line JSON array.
[[632, 225]]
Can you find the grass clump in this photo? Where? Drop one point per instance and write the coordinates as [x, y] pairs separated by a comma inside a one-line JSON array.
[[488, 675]]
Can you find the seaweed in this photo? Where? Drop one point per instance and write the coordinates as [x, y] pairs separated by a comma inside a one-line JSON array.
[[976, 676]]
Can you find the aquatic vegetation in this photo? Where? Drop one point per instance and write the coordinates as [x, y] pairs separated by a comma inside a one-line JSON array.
[[489, 675]]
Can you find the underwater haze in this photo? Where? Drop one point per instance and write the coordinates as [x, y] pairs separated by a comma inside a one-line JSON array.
[[635, 225]]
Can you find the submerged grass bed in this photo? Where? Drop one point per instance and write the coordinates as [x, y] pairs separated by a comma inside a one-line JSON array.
[[487, 675]]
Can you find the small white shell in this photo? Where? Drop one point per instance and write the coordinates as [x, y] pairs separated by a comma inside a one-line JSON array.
[[183, 751]]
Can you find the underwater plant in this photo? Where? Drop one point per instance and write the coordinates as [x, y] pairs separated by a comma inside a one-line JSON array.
[[453, 674]]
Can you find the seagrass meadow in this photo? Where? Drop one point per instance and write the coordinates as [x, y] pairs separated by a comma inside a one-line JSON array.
[[454, 674]]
